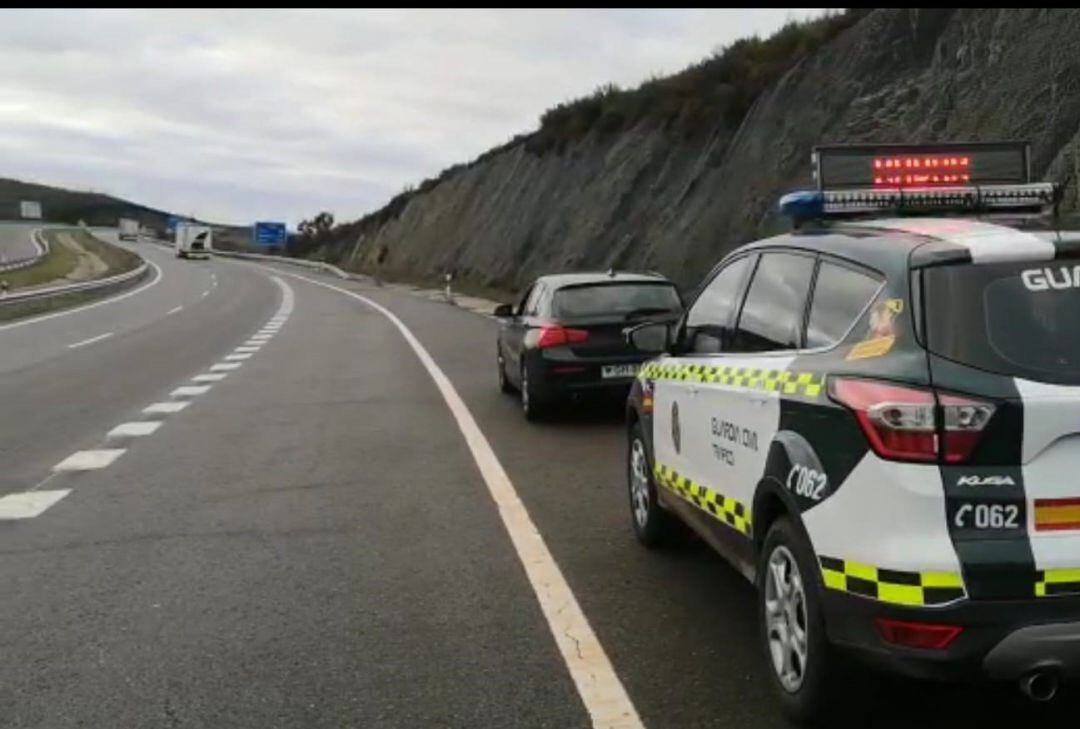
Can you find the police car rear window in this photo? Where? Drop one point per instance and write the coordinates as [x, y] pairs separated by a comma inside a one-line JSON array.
[[1016, 319], [618, 300]]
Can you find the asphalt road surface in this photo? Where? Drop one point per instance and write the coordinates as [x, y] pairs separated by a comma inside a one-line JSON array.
[[15, 243], [308, 541]]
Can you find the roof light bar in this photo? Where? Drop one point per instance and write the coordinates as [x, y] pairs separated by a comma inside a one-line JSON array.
[[810, 205]]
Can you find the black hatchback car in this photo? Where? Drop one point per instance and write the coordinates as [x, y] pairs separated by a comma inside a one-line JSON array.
[[565, 334]]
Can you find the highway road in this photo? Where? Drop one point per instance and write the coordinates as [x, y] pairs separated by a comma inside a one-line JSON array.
[[328, 522], [15, 243]]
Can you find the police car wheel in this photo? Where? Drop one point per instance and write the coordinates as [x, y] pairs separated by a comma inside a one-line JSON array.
[[504, 382], [652, 524], [804, 667]]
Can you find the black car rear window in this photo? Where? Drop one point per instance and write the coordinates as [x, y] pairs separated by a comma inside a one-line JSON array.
[[1017, 319], [626, 300]]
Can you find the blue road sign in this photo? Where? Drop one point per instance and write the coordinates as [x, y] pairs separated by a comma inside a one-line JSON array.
[[170, 224], [270, 234]]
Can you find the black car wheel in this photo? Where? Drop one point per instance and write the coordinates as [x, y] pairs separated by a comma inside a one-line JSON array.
[[500, 364], [533, 404], [806, 672], [652, 524]]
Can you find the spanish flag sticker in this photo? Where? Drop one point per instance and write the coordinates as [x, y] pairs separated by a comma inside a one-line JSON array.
[[1055, 515]]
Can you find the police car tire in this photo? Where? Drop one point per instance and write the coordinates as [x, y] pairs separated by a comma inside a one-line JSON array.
[[826, 671], [504, 381], [660, 526]]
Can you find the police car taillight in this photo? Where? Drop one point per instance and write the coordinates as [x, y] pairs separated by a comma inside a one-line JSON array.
[[928, 636], [901, 422]]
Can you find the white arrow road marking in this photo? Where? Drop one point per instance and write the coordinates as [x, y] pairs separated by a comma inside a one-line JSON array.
[[91, 340], [29, 504], [600, 689], [134, 429], [171, 406], [89, 460]]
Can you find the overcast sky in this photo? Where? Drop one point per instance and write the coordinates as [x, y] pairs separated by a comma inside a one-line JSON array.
[[233, 116]]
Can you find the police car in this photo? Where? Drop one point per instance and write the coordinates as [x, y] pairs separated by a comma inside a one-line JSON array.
[[876, 419]]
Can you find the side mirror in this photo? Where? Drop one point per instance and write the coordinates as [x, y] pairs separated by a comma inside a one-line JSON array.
[[652, 337], [504, 311]]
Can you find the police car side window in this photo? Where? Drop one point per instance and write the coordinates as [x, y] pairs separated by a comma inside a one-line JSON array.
[[840, 296], [772, 317], [710, 320]]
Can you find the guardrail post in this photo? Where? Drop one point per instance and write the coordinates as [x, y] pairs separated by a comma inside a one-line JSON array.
[[449, 293]]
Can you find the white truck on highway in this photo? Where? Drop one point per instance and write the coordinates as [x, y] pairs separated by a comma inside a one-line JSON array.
[[128, 229], [193, 240]]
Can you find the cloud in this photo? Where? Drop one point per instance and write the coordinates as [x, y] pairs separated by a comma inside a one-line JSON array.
[[234, 115]]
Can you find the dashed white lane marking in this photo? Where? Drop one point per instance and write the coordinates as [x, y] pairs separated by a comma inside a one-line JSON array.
[[247, 348], [170, 406], [91, 340], [134, 429], [89, 460], [209, 378], [255, 343], [261, 337], [603, 694], [238, 357], [226, 366], [68, 312], [174, 310], [204, 294], [190, 390], [29, 504]]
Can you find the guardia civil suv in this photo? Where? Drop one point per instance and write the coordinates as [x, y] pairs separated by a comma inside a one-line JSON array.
[[876, 419]]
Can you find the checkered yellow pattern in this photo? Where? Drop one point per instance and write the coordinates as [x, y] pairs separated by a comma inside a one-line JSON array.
[[726, 509], [785, 382], [892, 586]]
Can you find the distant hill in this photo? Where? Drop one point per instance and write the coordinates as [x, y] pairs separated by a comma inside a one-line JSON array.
[[70, 206], [59, 205]]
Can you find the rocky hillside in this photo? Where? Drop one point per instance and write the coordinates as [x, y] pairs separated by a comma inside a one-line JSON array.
[[674, 196]]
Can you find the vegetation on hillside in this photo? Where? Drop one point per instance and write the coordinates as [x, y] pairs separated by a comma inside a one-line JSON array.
[[722, 88]]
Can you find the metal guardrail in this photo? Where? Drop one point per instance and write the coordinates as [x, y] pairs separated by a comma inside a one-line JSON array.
[[42, 246], [17, 298], [314, 265], [74, 288]]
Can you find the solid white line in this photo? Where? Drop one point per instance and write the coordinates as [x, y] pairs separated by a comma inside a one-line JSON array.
[[190, 390], [169, 406], [225, 366], [66, 312], [91, 340], [600, 689], [208, 378], [134, 429], [89, 460], [29, 504], [174, 310]]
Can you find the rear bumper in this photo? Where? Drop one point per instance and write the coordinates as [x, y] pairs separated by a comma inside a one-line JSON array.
[[1001, 640], [556, 373]]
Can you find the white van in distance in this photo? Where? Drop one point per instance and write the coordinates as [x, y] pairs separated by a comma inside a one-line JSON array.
[[193, 240]]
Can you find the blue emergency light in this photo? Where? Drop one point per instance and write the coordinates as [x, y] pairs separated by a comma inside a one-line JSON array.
[[858, 180]]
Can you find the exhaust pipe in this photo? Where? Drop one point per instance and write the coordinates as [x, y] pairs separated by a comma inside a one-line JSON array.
[[1041, 685]]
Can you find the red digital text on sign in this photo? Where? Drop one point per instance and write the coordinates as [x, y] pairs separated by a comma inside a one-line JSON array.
[[921, 169]]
